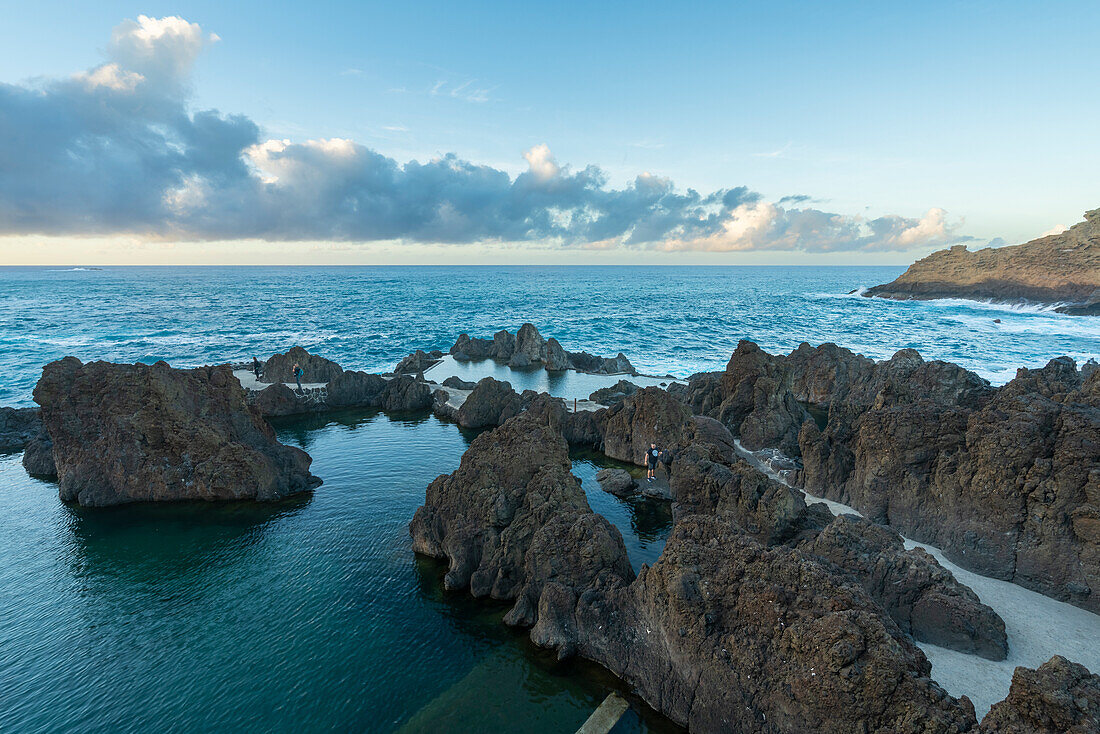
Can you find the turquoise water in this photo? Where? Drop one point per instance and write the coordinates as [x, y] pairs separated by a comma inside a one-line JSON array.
[[305, 616], [678, 320]]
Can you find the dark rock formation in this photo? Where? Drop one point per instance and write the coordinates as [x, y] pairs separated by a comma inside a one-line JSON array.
[[513, 522], [126, 433], [1062, 268], [614, 394], [38, 457], [466, 349], [527, 349], [277, 400], [491, 403], [405, 394], [353, 389], [616, 481], [18, 426], [921, 596], [725, 635], [648, 416], [555, 359], [459, 384], [1061, 697], [530, 348], [418, 361], [316, 369], [1006, 481], [1003, 479]]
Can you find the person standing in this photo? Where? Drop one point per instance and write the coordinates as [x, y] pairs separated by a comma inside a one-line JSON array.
[[298, 372], [651, 457], [256, 367]]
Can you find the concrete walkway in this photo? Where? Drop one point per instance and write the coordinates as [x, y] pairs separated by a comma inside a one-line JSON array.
[[249, 382], [606, 715]]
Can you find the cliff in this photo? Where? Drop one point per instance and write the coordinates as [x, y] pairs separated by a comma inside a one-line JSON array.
[[1062, 268]]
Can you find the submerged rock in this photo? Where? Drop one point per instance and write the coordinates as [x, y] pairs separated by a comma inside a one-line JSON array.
[[128, 433], [616, 481], [1061, 697], [316, 369], [459, 384], [513, 523]]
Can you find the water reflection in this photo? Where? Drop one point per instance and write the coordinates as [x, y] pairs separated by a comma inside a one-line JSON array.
[[148, 540]]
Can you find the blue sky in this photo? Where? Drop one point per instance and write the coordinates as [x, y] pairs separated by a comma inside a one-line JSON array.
[[983, 114]]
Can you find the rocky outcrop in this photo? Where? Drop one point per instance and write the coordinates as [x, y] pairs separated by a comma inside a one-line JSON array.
[[316, 369], [513, 523], [1062, 268], [723, 634], [614, 394], [18, 427], [527, 349], [38, 457], [922, 597], [418, 361], [405, 394], [352, 389], [458, 383], [491, 403], [616, 481], [1061, 697], [127, 433], [279, 400], [1006, 482], [648, 416]]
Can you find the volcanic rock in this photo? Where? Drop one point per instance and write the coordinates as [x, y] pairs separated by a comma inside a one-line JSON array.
[[556, 360], [315, 369], [491, 403], [278, 399], [18, 426], [352, 389], [418, 361], [38, 457], [405, 394], [126, 433], [530, 348], [722, 634], [466, 349], [513, 522], [648, 416], [616, 481], [1061, 268], [1061, 697], [614, 394], [458, 383]]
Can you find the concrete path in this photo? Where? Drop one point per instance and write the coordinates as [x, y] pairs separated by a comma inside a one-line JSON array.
[[606, 715], [249, 382]]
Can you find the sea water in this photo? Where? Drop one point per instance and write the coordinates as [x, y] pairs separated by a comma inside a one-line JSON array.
[[665, 319], [313, 614]]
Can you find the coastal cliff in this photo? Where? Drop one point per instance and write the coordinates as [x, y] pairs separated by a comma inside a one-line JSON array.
[[1061, 269]]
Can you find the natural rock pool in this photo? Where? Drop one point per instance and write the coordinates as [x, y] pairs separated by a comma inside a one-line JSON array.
[[311, 614]]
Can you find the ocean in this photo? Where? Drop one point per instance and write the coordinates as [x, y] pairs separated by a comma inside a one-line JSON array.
[[313, 614], [675, 320]]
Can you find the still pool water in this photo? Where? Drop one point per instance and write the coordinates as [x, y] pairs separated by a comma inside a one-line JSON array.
[[308, 615]]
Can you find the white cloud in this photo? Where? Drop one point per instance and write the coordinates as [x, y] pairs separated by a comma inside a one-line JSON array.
[[541, 162]]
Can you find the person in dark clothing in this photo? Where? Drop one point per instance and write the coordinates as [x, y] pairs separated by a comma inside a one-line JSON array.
[[298, 372], [256, 367], [651, 457]]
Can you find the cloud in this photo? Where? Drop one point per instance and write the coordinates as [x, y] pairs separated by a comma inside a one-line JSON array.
[[117, 150]]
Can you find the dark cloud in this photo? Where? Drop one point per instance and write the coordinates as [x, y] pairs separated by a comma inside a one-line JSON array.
[[117, 150]]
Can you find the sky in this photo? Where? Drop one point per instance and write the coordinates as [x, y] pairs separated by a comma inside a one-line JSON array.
[[664, 133]]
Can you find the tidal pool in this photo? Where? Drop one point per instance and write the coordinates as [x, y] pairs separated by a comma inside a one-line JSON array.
[[308, 615]]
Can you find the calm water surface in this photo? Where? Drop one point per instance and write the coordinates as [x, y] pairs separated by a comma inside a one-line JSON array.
[[308, 615]]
